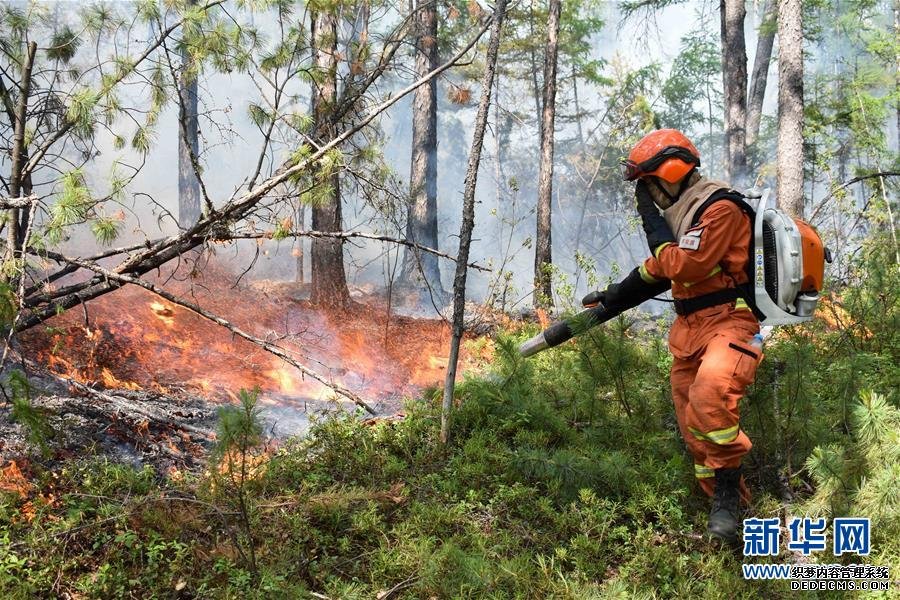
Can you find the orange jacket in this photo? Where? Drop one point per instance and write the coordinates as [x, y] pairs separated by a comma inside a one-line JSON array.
[[709, 257]]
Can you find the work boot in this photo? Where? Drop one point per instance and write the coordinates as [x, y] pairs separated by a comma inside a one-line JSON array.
[[724, 516]]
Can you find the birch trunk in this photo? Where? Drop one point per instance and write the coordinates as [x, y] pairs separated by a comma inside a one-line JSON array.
[[468, 216], [543, 253], [421, 223], [328, 280], [789, 182], [734, 79]]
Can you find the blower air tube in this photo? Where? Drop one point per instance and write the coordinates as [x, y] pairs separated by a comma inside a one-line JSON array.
[[631, 292], [565, 329]]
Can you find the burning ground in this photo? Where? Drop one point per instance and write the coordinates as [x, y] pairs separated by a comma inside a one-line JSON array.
[[159, 359], [132, 339]]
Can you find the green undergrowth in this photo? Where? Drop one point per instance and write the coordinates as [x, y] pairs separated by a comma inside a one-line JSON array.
[[564, 477]]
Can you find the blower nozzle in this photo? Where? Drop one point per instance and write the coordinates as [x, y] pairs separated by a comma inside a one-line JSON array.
[[533, 345], [566, 329]]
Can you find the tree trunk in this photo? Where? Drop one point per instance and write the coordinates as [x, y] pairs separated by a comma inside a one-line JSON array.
[[421, 222], [188, 143], [764, 42], [790, 107], [734, 79], [543, 289], [468, 216], [15, 232], [535, 88], [300, 276], [329, 283]]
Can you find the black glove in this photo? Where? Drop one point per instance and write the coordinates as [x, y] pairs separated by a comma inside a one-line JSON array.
[[628, 293], [655, 226], [594, 299], [645, 205]]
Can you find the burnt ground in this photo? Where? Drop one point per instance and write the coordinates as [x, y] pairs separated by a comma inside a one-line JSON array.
[[140, 381], [137, 427], [170, 432]]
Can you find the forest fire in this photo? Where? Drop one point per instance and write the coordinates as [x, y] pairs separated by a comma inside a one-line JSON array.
[[132, 339]]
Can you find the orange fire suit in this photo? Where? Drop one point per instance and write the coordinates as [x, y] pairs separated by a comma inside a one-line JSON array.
[[713, 359]]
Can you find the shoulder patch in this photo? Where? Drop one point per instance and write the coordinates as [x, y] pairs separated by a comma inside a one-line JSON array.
[[691, 239]]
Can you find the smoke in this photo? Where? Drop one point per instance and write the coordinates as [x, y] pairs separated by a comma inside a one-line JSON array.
[[592, 215]]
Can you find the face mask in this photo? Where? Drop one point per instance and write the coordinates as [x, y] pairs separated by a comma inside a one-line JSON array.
[[661, 196]]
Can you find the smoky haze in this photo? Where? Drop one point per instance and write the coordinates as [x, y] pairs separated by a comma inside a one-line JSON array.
[[600, 219]]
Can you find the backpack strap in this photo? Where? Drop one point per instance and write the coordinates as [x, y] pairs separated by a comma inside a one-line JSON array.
[[745, 290], [725, 194]]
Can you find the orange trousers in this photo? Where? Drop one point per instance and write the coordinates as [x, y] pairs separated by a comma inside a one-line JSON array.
[[713, 365]]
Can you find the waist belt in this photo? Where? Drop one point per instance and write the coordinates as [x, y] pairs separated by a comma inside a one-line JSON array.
[[692, 305]]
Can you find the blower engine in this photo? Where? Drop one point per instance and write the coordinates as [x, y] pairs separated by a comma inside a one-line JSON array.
[[788, 265]]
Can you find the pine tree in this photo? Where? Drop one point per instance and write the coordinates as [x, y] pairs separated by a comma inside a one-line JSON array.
[[543, 254], [421, 221], [329, 282]]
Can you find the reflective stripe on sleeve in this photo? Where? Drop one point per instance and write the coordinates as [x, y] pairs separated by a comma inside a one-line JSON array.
[[645, 274], [659, 249], [702, 472], [741, 304], [719, 436]]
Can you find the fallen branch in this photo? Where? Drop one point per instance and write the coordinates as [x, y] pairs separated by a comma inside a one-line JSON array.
[[69, 269], [343, 235], [387, 594], [120, 279], [132, 408]]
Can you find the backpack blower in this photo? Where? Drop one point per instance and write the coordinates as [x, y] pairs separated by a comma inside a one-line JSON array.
[[786, 270]]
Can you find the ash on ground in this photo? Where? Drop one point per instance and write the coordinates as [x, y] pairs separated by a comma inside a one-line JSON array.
[[128, 426], [169, 432]]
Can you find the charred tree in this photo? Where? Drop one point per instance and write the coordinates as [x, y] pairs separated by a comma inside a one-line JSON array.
[[543, 253], [468, 216], [328, 280], [734, 80], [188, 142], [789, 184], [421, 221], [764, 42]]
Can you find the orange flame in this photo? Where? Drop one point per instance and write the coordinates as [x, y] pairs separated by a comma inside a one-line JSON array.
[[12, 480], [135, 340]]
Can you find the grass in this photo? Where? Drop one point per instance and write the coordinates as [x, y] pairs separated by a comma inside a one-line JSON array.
[[564, 477]]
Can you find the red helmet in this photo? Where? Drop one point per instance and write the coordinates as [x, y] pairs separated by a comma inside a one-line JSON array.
[[664, 153]]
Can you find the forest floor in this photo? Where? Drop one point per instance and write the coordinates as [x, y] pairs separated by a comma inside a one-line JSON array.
[[564, 475]]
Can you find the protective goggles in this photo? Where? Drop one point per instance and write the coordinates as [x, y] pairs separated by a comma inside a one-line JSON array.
[[633, 170]]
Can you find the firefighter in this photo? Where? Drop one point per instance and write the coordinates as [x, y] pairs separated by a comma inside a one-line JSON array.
[[700, 246]]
